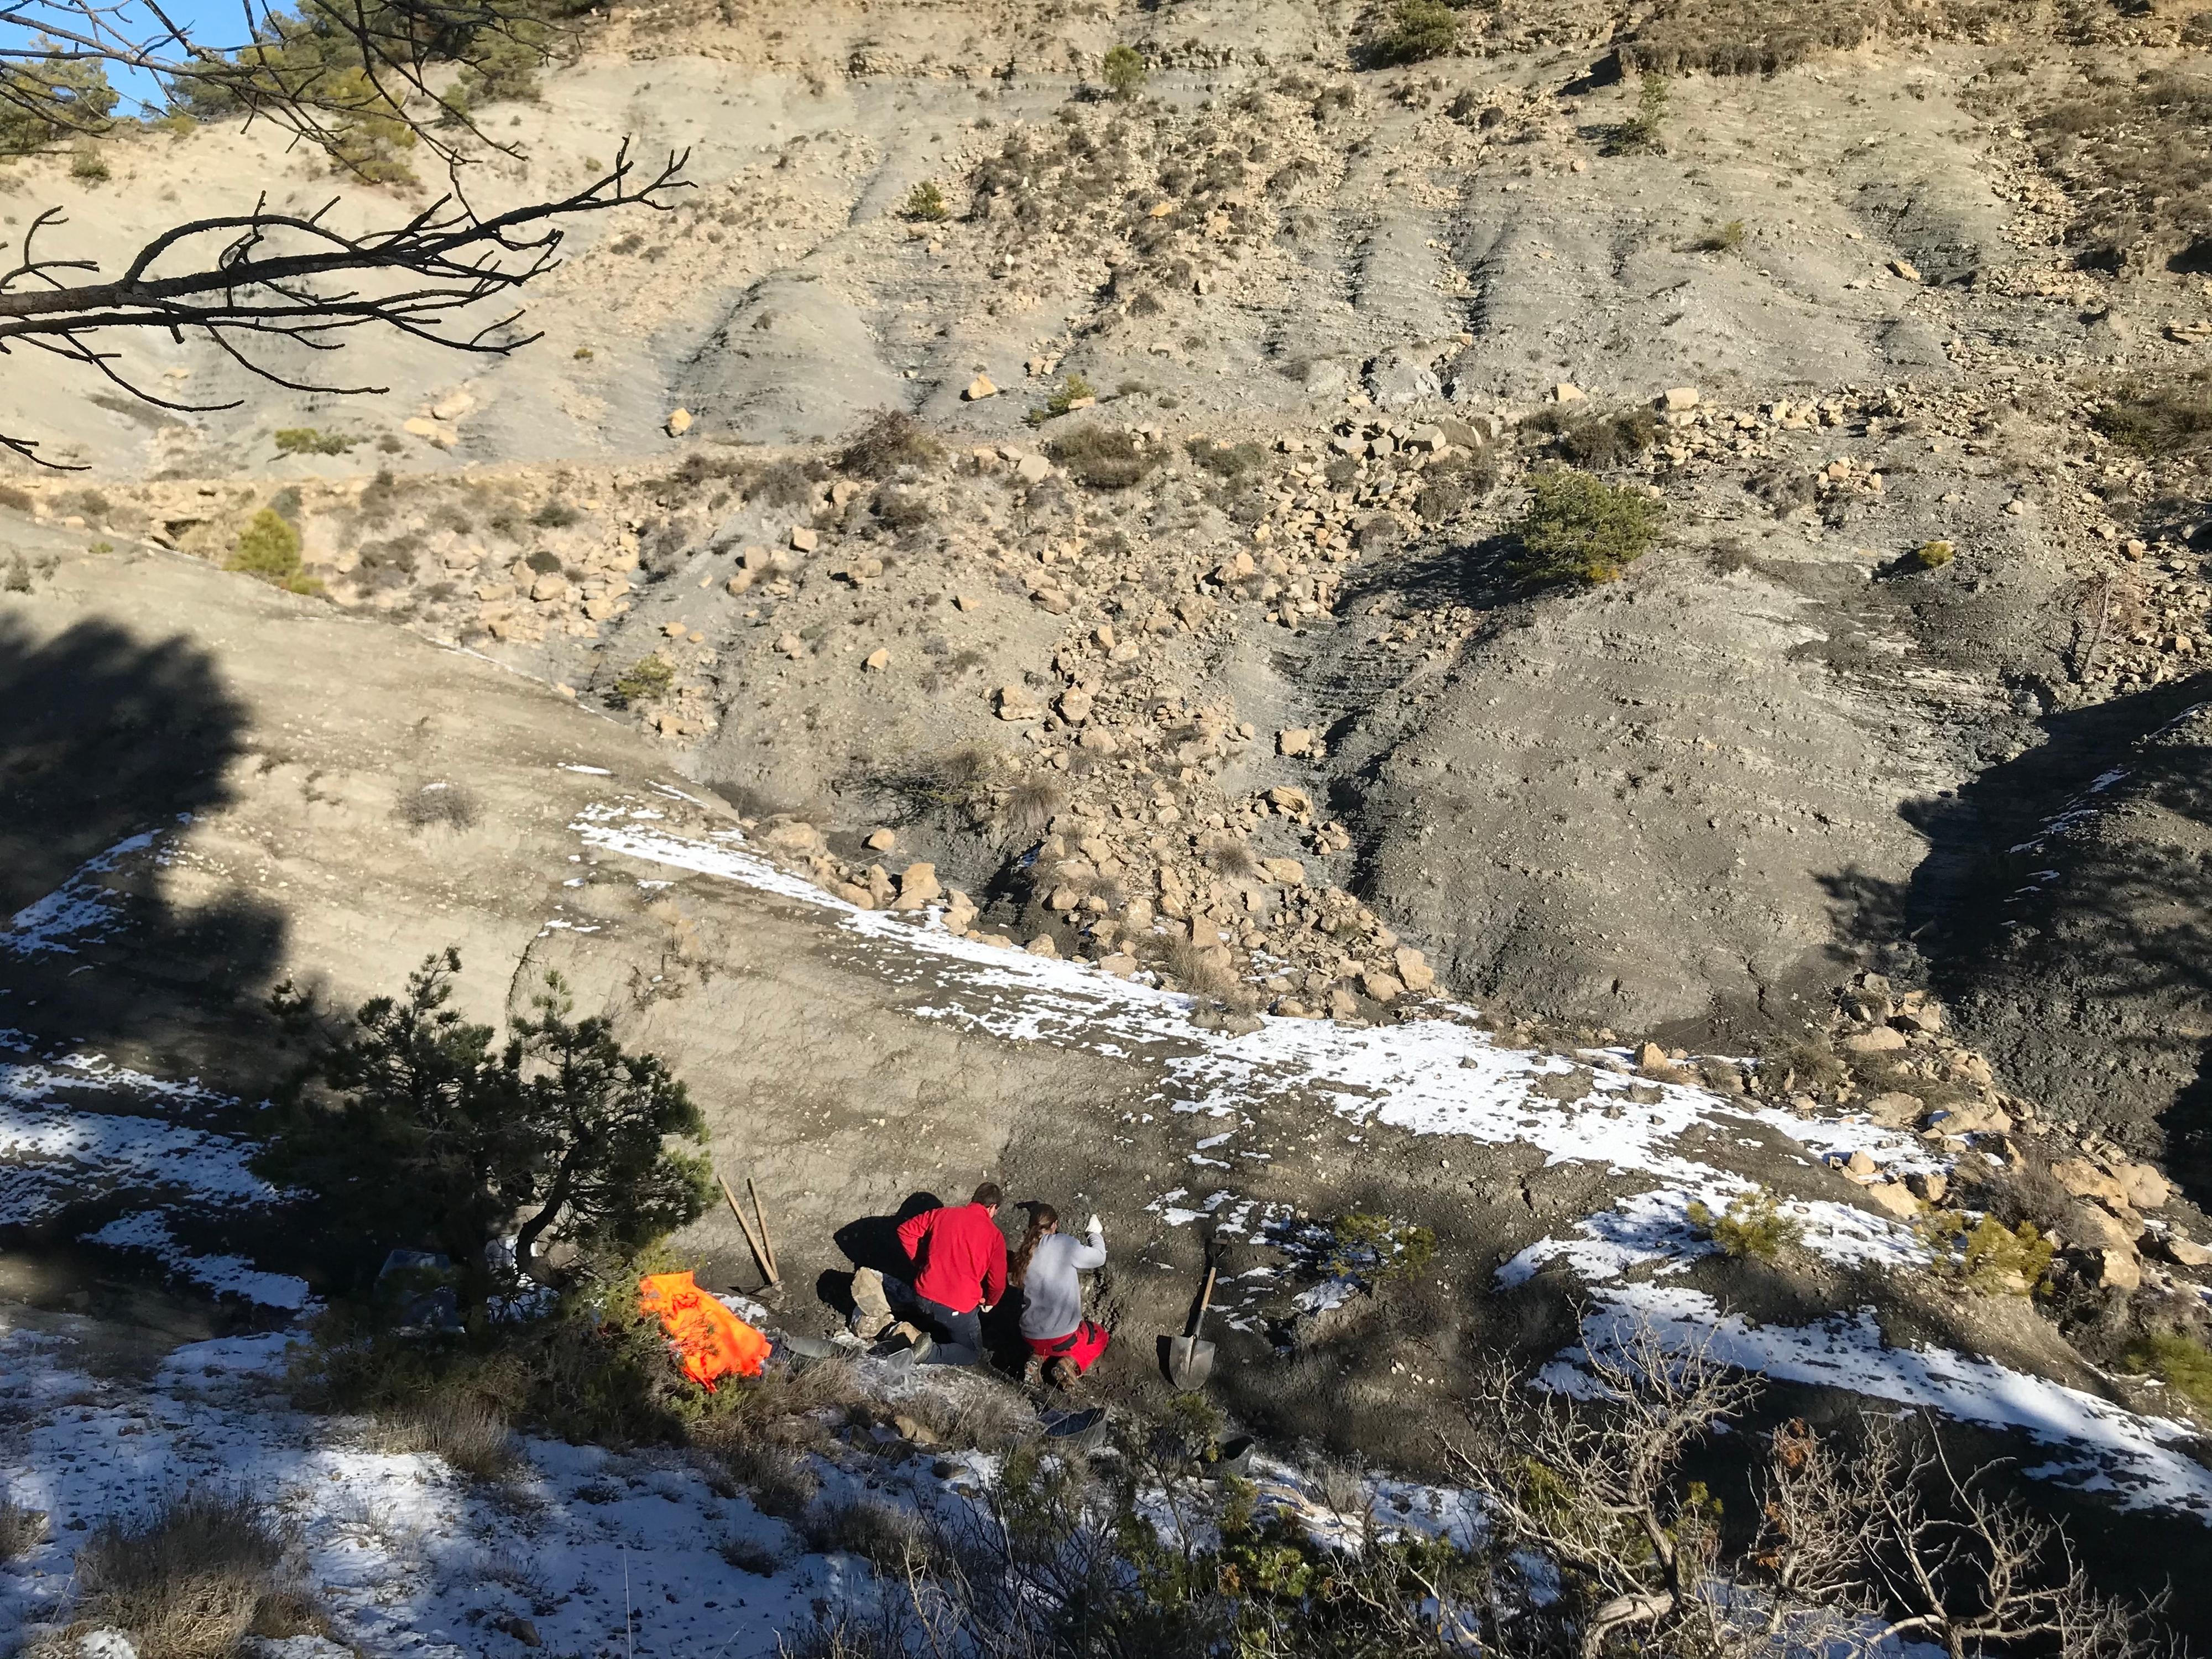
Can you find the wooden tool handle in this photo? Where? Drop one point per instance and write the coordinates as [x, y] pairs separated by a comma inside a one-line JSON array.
[[1205, 1301], [760, 1253]]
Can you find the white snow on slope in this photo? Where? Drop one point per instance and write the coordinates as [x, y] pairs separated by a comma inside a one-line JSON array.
[[409, 1558], [67, 1135], [1440, 1077], [2095, 1445], [79, 908]]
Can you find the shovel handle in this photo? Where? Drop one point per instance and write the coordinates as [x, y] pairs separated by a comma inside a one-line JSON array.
[[1205, 1301]]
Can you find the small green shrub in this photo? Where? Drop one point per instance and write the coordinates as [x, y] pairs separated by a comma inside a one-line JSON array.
[[1578, 529], [1598, 441], [269, 548], [1422, 29], [1123, 71], [1721, 239], [1989, 1257], [1074, 392], [1376, 1249], [647, 681], [88, 164], [2182, 1364], [307, 440], [1932, 556], [926, 203], [1640, 131], [555, 515], [1752, 1225], [1103, 459]]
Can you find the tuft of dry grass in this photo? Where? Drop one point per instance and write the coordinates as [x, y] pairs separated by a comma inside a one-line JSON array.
[[1745, 37], [892, 440], [1104, 460], [1231, 858], [2161, 420], [21, 1529], [451, 805], [1201, 970], [1031, 804], [193, 1582], [886, 1537], [469, 1434]]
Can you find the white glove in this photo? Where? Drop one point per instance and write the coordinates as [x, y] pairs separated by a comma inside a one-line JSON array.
[[1091, 1226]]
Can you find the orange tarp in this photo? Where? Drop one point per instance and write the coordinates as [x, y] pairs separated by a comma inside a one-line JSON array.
[[714, 1341]]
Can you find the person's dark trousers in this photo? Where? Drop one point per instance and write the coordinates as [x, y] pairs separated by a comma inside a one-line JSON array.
[[958, 1336]]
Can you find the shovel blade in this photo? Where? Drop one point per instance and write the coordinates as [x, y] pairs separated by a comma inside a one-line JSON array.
[[1190, 1362]]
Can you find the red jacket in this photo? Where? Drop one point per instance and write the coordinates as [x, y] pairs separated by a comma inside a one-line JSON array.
[[959, 1254]]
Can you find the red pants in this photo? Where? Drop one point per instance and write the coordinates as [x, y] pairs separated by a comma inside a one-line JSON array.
[[1080, 1347]]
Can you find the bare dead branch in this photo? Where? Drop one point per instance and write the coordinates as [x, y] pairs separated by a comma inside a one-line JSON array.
[[268, 276]]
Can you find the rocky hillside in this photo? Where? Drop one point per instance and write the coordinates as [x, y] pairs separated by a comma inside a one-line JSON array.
[[1021, 621]]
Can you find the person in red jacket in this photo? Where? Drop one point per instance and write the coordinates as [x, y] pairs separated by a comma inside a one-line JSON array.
[[960, 1272]]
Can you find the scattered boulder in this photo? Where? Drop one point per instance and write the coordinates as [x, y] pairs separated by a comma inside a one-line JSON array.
[[2084, 1179], [1896, 1110], [978, 389], [679, 422], [1381, 988], [803, 539], [2146, 1188], [1413, 970], [917, 885], [1879, 1040], [1895, 1197], [1295, 741]]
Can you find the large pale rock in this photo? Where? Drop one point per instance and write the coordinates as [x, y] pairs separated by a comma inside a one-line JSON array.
[[1879, 1040], [794, 838], [1414, 969], [979, 388], [2146, 1188], [1975, 1117], [917, 886], [1895, 1197], [2084, 1179]]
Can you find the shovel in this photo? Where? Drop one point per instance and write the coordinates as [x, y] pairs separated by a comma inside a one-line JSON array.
[[1190, 1361]]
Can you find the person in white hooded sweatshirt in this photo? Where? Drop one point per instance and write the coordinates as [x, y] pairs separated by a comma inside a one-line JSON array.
[[1063, 1343]]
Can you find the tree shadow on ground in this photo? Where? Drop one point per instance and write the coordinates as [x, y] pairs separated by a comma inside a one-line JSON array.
[[2064, 909], [109, 744], [109, 738]]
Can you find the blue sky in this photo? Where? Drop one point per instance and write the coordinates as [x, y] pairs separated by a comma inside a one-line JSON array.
[[210, 22]]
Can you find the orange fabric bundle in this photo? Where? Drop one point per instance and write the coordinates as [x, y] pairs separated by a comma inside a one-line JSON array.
[[714, 1341]]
